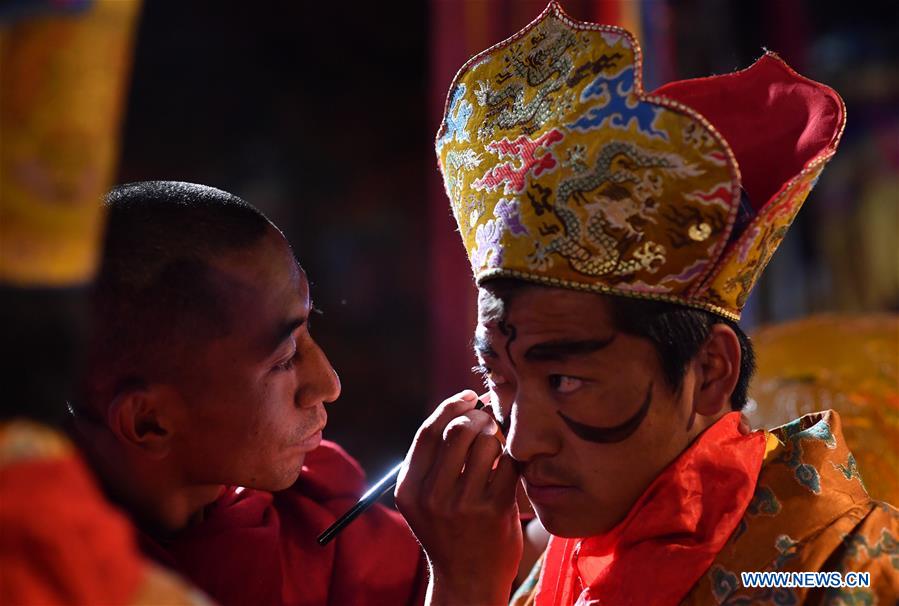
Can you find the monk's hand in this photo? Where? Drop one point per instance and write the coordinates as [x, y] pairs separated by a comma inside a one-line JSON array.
[[457, 492]]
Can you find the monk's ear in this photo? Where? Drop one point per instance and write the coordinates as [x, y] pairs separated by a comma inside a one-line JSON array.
[[717, 368], [139, 417]]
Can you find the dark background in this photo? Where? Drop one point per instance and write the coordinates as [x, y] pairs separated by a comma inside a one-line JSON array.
[[323, 114]]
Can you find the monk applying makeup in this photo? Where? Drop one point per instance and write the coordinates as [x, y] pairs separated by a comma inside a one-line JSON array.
[[203, 404]]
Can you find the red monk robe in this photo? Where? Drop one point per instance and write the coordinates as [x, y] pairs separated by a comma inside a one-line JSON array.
[[256, 547]]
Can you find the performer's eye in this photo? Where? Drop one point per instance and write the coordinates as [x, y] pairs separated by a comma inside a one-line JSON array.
[[564, 384], [491, 379]]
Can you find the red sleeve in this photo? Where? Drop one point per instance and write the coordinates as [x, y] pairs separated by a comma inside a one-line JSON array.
[[376, 558], [256, 547]]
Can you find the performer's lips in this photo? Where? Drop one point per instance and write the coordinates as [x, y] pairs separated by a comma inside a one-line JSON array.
[[546, 491]]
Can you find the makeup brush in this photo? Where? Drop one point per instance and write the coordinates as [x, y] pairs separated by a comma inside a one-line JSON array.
[[371, 496]]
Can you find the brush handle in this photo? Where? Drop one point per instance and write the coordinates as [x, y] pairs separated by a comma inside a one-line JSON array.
[[371, 497]]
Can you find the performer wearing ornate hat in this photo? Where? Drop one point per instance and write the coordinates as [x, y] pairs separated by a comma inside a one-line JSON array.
[[615, 236]]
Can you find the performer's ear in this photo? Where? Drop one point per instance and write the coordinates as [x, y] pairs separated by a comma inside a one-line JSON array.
[[137, 417], [717, 368]]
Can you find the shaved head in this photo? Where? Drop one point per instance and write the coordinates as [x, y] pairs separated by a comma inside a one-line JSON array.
[[158, 294]]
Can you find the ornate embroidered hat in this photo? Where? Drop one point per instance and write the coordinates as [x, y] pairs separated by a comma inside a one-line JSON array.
[[561, 170]]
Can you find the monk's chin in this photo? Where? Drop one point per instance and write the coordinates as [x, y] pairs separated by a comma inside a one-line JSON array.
[[283, 477], [289, 477]]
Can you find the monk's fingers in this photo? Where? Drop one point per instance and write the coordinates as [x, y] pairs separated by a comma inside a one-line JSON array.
[[429, 438], [443, 482], [492, 404], [479, 465], [505, 479]]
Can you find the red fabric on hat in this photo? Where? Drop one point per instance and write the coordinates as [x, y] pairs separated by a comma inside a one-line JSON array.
[[774, 120], [672, 533], [255, 547]]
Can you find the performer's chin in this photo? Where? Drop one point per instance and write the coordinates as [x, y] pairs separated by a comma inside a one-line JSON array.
[[564, 514], [554, 506]]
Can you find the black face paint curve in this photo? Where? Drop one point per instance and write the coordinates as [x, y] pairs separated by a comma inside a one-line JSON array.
[[507, 330], [510, 331], [610, 435]]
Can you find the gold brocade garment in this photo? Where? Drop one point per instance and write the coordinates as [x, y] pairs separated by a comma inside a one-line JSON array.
[[810, 512], [845, 362]]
